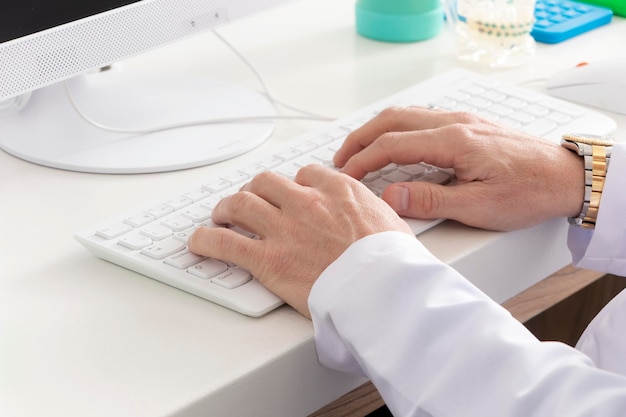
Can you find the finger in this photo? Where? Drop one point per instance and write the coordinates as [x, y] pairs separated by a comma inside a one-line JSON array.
[[224, 244], [314, 175], [439, 147], [246, 210], [272, 187], [396, 119], [332, 184], [464, 203], [392, 119]]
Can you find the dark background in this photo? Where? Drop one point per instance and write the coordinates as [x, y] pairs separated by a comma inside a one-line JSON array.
[[23, 17]]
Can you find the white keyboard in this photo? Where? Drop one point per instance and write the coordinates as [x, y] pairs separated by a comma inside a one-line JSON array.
[[152, 240]]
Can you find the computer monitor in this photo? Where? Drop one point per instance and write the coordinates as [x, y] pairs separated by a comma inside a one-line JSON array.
[[53, 50]]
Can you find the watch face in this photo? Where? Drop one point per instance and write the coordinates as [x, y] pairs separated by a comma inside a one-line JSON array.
[[589, 139]]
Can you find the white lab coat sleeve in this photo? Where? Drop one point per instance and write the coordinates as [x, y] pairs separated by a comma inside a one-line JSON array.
[[604, 248], [604, 339], [434, 345]]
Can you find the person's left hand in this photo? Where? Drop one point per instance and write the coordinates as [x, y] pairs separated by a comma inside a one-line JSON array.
[[302, 227], [505, 179]]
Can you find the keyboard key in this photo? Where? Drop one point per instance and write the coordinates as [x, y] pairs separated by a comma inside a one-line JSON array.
[[156, 231], [197, 195], [163, 249], [184, 235], [288, 154], [197, 213], [472, 89], [178, 203], [183, 259], [253, 170], [437, 177], [217, 185], [233, 278], [139, 219], [160, 211], [208, 268], [537, 110], [237, 178], [321, 140], [289, 170], [305, 147], [558, 117], [501, 110], [324, 155], [271, 162], [397, 176], [177, 223], [112, 231], [134, 241], [494, 96], [414, 170], [515, 103], [522, 117]]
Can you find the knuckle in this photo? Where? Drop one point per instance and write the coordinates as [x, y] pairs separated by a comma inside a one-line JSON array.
[[310, 200], [240, 202], [391, 112], [466, 117], [263, 177], [463, 131], [308, 170], [388, 140]]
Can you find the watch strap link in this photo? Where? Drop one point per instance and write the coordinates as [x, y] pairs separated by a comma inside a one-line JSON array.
[[597, 154]]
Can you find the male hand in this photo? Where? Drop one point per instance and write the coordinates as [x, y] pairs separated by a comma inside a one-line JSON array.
[[505, 179], [302, 227]]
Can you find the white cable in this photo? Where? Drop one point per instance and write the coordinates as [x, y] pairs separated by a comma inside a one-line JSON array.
[[226, 120], [242, 119], [270, 96], [14, 104]]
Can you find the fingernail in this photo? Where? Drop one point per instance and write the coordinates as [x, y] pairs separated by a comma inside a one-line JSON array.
[[400, 198]]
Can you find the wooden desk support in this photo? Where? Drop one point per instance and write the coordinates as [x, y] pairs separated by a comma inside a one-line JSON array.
[[524, 306]]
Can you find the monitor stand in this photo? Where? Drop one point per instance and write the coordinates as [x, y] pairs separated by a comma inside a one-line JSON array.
[[48, 131]]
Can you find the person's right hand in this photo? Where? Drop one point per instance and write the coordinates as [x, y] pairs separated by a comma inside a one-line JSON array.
[[301, 227], [505, 179]]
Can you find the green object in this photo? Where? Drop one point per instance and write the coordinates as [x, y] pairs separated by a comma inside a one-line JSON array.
[[399, 20], [618, 6]]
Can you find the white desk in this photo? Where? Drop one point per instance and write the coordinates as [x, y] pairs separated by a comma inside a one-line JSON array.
[[81, 337]]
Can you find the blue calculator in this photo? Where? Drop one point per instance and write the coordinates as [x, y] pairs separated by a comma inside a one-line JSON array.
[[558, 20]]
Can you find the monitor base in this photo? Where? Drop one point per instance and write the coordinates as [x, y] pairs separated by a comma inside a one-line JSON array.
[[49, 131]]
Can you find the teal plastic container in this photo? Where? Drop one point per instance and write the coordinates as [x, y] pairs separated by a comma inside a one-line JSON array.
[[399, 20]]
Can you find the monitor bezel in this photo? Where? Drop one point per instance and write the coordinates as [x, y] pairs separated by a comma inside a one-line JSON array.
[[56, 54]]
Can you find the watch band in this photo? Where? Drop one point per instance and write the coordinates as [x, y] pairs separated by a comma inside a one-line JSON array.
[[596, 151]]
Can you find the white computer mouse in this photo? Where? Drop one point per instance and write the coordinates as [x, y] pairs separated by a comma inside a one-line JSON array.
[[599, 84]]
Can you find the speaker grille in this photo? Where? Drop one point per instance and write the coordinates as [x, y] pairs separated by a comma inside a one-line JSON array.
[[56, 54]]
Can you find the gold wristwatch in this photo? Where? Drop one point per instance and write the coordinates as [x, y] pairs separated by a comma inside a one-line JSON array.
[[596, 150]]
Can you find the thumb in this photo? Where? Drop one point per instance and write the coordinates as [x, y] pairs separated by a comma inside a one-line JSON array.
[[422, 200]]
